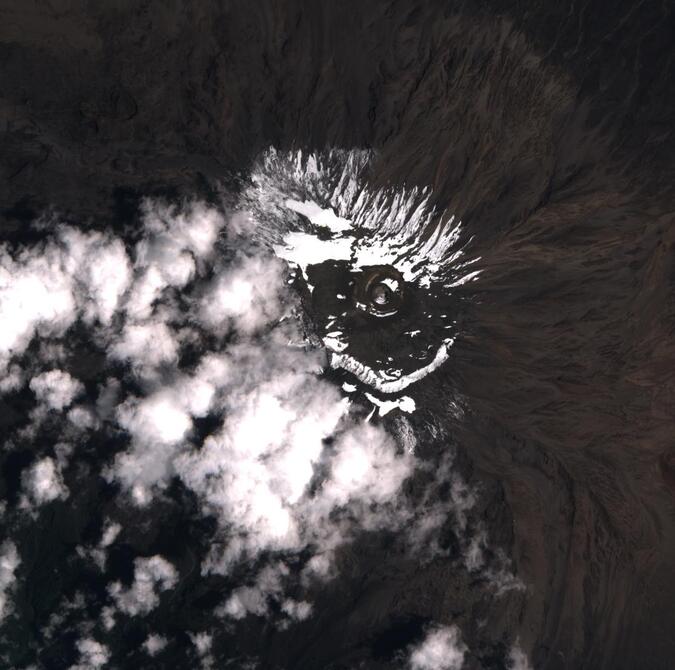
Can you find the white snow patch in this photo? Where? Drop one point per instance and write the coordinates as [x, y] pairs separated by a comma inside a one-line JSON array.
[[404, 403], [319, 216], [305, 249], [378, 380], [335, 341]]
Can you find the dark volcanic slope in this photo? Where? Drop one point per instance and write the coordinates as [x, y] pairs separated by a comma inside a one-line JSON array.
[[546, 127]]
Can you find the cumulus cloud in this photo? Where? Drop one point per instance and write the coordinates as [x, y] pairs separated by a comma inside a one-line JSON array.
[[44, 289], [99, 553], [110, 532], [56, 388], [101, 271], [12, 380], [169, 255], [35, 292], [202, 642], [255, 472], [147, 344], [82, 418], [151, 576], [259, 464], [66, 609], [154, 644], [93, 655], [441, 649], [366, 467], [9, 562], [246, 297], [518, 659], [42, 483], [256, 599], [298, 610], [446, 497], [158, 425], [160, 418]]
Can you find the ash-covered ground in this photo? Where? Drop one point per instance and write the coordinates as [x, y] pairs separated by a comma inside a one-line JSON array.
[[337, 335]]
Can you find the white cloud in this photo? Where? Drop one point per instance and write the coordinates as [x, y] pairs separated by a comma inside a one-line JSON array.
[[154, 644], [148, 344], [194, 227], [108, 617], [405, 434], [93, 655], [366, 466], [146, 290], [12, 380], [102, 271], [56, 388], [169, 255], [448, 498], [150, 576], [110, 532], [299, 610], [518, 659], [82, 418], [9, 562], [245, 297], [42, 483], [254, 599], [474, 557], [442, 649], [43, 289], [99, 553], [66, 608], [158, 425], [202, 642], [254, 474], [108, 398], [35, 293], [259, 464], [245, 600]]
